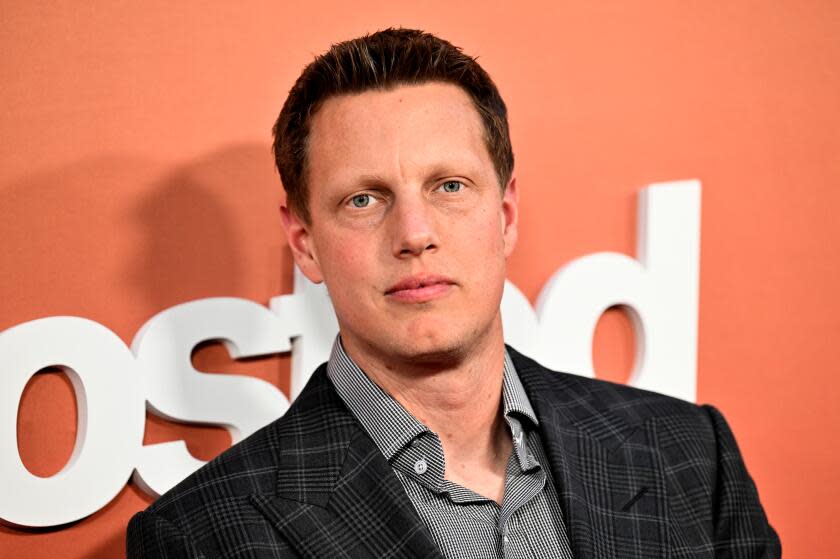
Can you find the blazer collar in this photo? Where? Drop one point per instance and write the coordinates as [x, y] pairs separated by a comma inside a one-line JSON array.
[[336, 494], [609, 474]]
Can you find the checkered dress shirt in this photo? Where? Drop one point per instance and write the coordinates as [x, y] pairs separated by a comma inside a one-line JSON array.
[[528, 524]]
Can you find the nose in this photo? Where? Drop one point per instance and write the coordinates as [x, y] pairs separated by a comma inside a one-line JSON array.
[[413, 228]]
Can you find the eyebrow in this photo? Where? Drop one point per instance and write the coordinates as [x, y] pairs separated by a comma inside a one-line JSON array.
[[455, 168], [462, 169], [368, 180]]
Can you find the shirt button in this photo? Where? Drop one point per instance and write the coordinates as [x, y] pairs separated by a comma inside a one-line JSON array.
[[420, 466]]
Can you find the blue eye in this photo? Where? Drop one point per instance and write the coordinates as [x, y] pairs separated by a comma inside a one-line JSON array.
[[360, 200], [452, 186]]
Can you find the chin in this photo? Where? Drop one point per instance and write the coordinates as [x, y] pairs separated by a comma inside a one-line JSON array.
[[429, 359], [434, 342], [438, 347], [434, 354]]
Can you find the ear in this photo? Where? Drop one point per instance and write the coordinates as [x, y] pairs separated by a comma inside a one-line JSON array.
[[510, 216], [299, 237]]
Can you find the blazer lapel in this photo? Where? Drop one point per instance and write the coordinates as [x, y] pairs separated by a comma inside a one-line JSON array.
[[336, 494], [609, 474]]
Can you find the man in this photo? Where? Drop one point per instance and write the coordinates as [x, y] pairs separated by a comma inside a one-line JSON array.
[[423, 436]]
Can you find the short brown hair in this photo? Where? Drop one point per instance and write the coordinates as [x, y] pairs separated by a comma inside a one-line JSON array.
[[382, 60]]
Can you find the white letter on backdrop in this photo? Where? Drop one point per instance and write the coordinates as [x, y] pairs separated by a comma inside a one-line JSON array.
[[659, 290], [176, 391], [519, 322], [311, 312], [109, 400]]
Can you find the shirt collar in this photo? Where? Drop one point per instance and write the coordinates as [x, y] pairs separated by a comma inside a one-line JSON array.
[[387, 422], [514, 398]]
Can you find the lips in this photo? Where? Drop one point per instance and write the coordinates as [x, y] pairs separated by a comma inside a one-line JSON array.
[[420, 288]]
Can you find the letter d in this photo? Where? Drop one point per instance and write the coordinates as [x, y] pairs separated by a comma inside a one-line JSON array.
[[659, 291]]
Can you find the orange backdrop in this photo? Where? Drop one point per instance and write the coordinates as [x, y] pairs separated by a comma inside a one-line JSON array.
[[135, 174]]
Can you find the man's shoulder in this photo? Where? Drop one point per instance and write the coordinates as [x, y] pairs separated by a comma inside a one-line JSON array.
[[615, 435], [585, 400], [294, 458], [243, 469], [314, 424]]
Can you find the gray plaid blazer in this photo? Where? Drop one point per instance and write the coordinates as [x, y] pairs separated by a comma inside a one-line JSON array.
[[638, 475]]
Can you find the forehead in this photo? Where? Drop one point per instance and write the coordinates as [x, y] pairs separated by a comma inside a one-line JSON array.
[[395, 131]]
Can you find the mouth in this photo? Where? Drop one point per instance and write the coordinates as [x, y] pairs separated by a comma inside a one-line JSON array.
[[420, 288]]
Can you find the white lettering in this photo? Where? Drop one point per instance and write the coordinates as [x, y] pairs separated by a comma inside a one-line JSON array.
[[111, 419], [659, 290], [176, 391]]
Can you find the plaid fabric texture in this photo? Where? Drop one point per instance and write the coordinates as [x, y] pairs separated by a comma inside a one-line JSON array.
[[464, 525], [638, 475]]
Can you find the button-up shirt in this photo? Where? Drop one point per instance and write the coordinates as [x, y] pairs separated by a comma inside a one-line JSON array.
[[528, 523]]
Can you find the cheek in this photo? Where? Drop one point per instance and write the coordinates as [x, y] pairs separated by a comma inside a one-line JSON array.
[[346, 264], [341, 267], [481, 236]]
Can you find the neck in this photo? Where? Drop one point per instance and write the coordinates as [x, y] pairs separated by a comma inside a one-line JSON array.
[[459, 399]]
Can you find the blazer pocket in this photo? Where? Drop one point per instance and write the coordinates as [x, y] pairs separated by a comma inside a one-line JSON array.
[[634, 499]]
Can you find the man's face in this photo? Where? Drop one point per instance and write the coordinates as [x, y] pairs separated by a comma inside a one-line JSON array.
[[409, 227]]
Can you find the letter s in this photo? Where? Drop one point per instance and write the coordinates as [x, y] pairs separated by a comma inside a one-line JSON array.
[[176, 391]]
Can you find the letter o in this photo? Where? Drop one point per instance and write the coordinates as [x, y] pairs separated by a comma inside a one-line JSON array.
[[111, 419]]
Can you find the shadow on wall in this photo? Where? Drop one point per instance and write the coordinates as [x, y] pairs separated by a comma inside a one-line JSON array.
[[212, 228], [189, 242], [118, 239]]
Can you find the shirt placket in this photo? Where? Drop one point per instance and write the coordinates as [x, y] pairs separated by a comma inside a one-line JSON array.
[[524, 481], [515, 543]]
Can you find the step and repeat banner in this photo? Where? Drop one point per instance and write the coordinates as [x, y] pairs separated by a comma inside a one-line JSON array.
[[678, 171]]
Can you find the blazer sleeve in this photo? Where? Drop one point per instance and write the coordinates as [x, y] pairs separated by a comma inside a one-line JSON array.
[[740, 524], [152, 536]]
